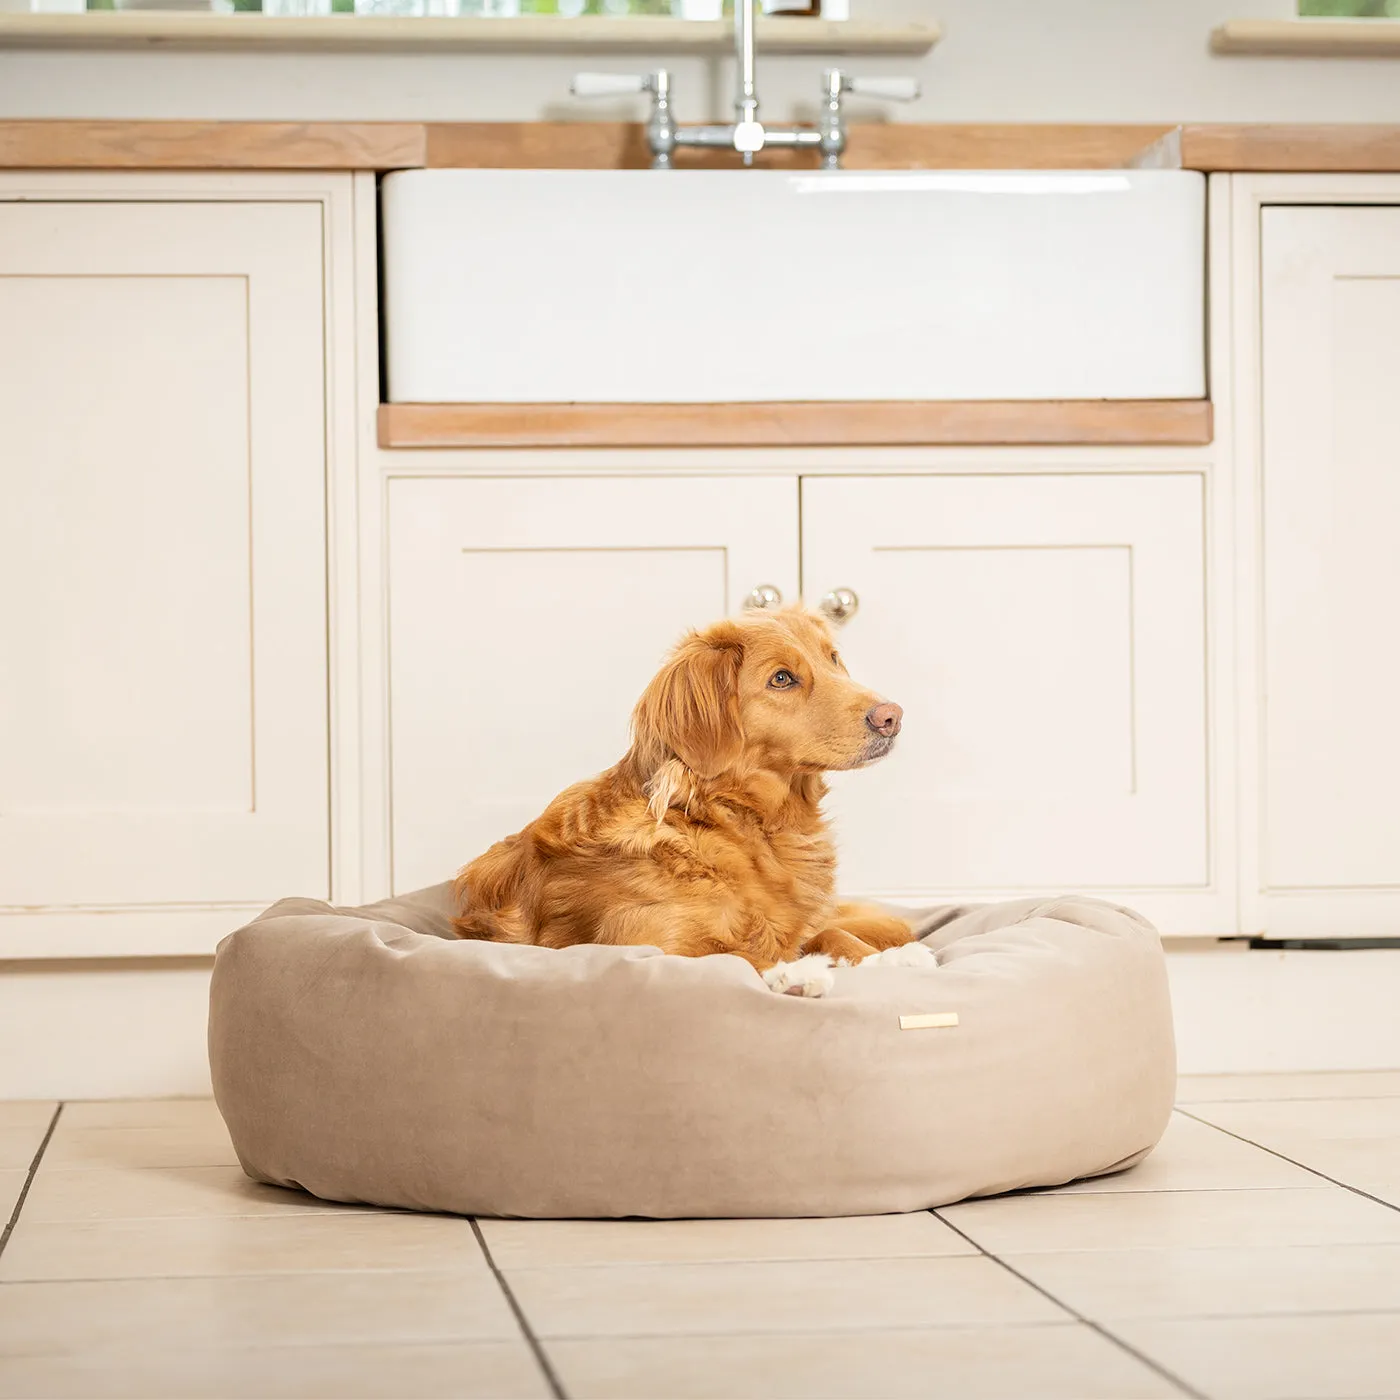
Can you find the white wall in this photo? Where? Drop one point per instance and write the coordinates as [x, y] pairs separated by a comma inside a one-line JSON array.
[[1000, 61]]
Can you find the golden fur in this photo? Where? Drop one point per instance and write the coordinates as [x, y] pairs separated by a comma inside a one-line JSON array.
[[708, 836]]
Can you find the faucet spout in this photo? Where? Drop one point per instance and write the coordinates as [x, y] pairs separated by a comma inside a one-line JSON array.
[[745, 96]]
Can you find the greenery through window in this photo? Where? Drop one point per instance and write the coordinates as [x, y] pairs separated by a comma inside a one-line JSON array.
[[1350, 9]]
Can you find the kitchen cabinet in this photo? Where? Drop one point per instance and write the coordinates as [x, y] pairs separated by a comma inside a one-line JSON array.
[[163, 688], [527, 614], [1046, 637], [1045, 634], [1329, 571]]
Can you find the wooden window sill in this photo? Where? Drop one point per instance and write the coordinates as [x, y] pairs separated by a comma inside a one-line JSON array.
[[1308, 38], [102, 29], [1167, 422]]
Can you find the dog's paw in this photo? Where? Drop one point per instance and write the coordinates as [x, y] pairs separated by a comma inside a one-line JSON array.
[[905, 955], [808, 976]]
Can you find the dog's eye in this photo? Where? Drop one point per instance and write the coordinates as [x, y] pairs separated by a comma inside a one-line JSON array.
[[782, 680], [835, 659]]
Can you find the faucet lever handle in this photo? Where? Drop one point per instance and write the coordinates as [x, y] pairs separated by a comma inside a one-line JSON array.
[[835, 85], [661, 127], [887, 89], [609, 84]]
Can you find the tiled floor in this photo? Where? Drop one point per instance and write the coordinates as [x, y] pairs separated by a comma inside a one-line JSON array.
[[1255, 1254]]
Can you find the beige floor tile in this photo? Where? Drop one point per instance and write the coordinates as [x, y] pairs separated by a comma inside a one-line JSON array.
[[19, 1144], [618, 1300], [1050, 1363], [1110, 1284], [11, 1184], [139, 1113], [528, 1244], [1323, 1084], [190, 1144], [1194, 1156], [220, 1247], [140, 1315], [25, 1113], [465, 1371], [1174, 1220], [1343, 1138], [1364, 1120], [1353, 1163], [149, 1193], [1259, 1358]]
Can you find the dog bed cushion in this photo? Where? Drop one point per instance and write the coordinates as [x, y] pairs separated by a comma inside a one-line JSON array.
[[365, 1055]]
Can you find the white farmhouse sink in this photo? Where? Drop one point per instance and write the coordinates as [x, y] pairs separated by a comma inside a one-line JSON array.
[[698, 286]]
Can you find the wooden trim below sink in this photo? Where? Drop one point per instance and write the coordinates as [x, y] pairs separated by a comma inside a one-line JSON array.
[[1065, 422]]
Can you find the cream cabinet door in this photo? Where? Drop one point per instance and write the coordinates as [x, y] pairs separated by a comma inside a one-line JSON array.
[[526, 616], [1045, 636], [163, 722], [1331, 571]]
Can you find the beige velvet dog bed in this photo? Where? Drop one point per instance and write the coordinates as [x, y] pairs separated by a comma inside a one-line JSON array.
[[364, 1055]]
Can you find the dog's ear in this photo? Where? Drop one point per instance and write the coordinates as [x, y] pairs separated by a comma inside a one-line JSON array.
[[691, 708]]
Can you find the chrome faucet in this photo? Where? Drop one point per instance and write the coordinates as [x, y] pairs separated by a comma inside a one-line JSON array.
[[746, 135]]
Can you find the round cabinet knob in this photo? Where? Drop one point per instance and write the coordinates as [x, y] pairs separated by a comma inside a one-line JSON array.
[[840, 605], [764, 596]]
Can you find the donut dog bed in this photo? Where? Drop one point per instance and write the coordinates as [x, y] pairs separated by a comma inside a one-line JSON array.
[[365, 1055]]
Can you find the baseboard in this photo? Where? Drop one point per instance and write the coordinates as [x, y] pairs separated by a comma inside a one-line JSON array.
[[137, 1029], [1242, 1011], [104, 1030]]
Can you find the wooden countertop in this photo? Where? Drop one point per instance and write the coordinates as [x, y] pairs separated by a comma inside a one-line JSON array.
[[1277, 147], [196, 145], [84, 145], [120, 145]]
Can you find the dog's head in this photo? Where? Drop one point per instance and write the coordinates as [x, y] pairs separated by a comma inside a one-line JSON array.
[[766, 691]]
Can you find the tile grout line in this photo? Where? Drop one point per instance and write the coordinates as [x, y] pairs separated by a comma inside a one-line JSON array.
[[29, 1181], [1284, 1157], [556, 1387], [1152, 1365]]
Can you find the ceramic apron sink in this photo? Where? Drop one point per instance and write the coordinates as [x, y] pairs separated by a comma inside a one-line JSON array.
[[709, 286]]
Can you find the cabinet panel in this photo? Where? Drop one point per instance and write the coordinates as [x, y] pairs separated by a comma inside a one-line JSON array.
[[525, 618], [163, 730], [1045, 635], [1331, 570], [96, 566]]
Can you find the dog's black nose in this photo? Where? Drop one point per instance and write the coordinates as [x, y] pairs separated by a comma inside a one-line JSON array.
[[885, 718]]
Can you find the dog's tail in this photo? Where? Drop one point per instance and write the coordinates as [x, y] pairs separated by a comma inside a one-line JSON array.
[[489, 892]]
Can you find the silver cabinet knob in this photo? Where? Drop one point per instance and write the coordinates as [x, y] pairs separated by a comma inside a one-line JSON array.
[[764, 596], [840, 605]]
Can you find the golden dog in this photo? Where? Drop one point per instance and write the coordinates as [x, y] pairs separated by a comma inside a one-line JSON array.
[[708, 836]]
